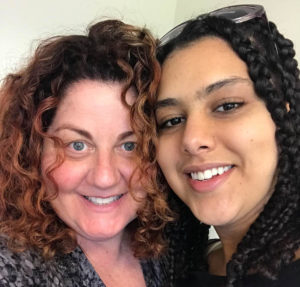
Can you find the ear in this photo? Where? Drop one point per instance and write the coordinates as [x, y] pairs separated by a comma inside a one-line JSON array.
[[287, 105]]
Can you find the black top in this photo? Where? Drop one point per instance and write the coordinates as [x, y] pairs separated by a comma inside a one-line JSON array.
[[288, 277]]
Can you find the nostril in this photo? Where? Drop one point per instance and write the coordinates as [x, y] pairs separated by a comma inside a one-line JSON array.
[[203, 147], [194, 149]]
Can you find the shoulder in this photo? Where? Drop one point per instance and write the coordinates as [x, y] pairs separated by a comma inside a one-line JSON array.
[[10, 259], [15, 267], [30, 268], [26, 268]]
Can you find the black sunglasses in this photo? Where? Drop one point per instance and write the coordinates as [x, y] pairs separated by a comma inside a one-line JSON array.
[[237, 14]]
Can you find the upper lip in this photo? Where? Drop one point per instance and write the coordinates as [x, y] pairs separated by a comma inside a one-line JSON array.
[[202, 167], [103, 196]]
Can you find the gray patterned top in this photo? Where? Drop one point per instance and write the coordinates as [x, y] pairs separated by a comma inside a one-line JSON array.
[[71, 270]]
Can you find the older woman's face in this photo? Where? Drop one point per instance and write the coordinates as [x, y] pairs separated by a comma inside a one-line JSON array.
[[92, 182], [216, 145]]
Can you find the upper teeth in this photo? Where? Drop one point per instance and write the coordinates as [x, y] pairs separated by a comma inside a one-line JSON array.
[[209, 173], [101, 201]]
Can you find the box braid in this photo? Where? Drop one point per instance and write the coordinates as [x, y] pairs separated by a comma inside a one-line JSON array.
[[187, 242]]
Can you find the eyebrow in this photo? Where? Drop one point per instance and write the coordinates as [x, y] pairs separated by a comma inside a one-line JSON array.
[[125, 135], [222, 83], [81, 132], [87, 135], [169, 102]]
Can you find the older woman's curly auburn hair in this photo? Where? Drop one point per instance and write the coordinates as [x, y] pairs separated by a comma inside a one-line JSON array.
[[273, 238], [112, 51]]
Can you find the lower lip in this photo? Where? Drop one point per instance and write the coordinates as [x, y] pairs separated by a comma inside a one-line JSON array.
[[103, 207], [211, 184]]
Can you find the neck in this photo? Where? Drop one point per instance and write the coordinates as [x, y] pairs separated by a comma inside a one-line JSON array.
[[105, 252], [230, 237]]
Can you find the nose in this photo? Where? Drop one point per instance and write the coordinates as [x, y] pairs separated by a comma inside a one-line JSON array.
[[199, 135], [104, 172]]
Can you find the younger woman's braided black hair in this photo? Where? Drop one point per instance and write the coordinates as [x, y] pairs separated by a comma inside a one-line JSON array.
[[187, 240], [273, 238]]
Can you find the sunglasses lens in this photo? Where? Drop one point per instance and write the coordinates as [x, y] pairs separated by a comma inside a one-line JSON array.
[[172, 34], [230, 14], [237, 14]]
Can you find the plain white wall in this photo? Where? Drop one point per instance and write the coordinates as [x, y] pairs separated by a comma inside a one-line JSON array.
[[24, 22], [285, 14]]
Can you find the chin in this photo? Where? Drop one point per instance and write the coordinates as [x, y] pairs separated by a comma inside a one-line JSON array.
[[215, 219], [97, 235]]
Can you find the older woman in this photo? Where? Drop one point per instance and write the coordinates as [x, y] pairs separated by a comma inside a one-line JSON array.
[[76, 208]]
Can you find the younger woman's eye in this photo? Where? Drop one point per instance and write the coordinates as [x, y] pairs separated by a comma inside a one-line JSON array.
[[129, 146], [78, 145], [226, 107], [171, 123]]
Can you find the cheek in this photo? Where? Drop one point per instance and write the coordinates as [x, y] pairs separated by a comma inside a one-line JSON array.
[[67, 176], [256, 147], [253, 136], [162, 159], [166, 152]]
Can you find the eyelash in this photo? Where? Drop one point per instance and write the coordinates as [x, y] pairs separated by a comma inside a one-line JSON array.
[[71, 146], [228, 104], [227, 108], [164, 125], [130, 142]]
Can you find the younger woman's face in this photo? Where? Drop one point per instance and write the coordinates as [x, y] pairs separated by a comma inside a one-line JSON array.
[[216, 145], [93, 193]]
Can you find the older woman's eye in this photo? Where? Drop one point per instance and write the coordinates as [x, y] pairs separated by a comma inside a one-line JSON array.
[[78, 146], [129, 146], [226, 107]]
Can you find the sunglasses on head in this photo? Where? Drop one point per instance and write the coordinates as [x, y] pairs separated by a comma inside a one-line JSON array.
[[237, 14]]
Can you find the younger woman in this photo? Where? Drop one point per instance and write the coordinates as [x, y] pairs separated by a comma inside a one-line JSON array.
[[228, 144]]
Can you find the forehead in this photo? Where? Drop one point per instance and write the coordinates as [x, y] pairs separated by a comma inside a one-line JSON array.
[[90, 102], [100, 89], [200, 64]]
